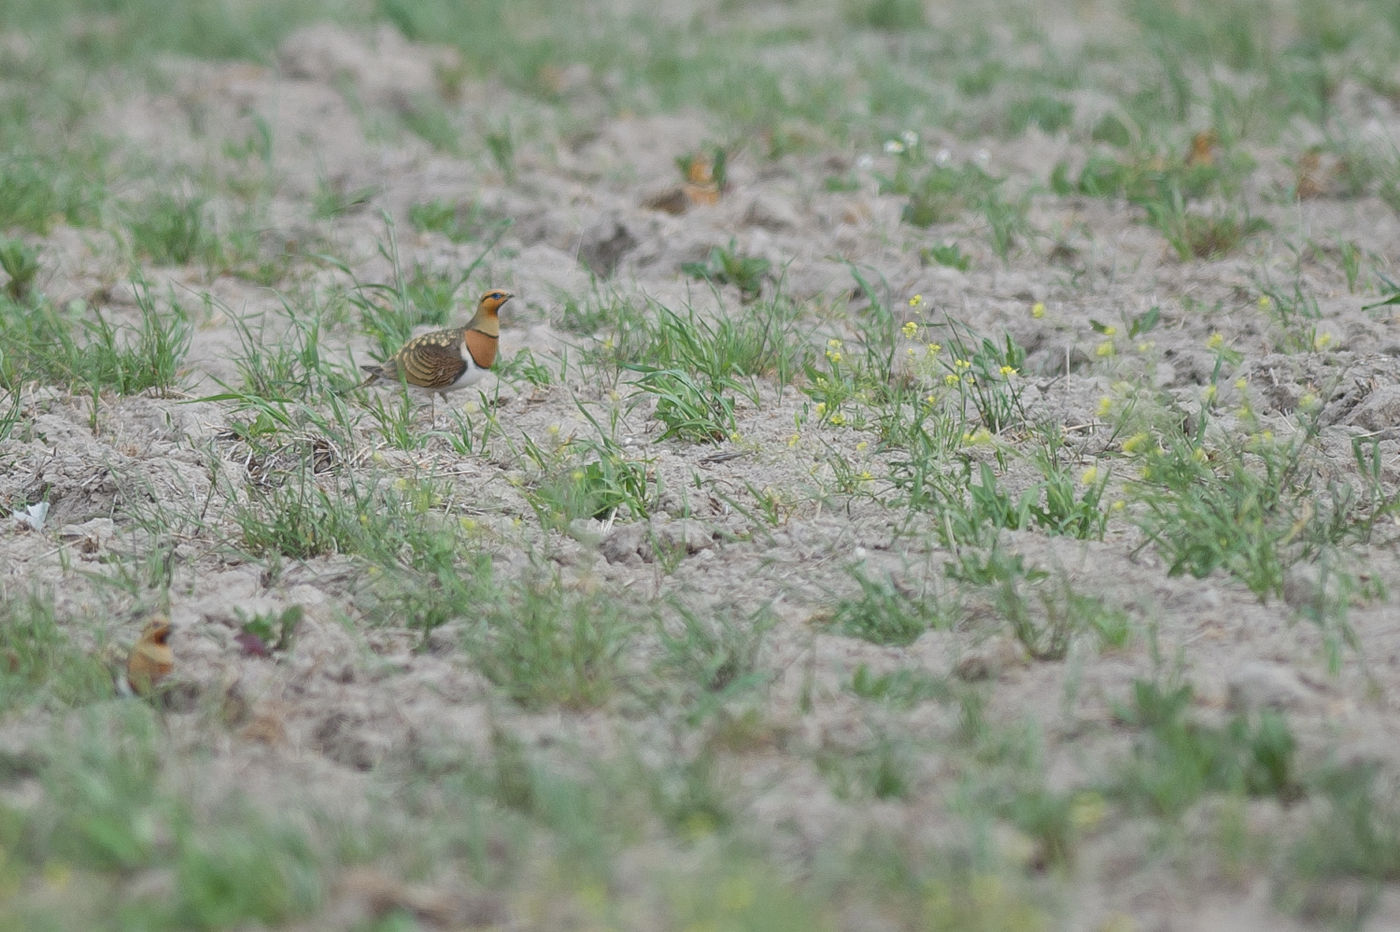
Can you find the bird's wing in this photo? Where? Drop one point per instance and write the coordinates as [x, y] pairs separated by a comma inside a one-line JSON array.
[[433, 360]]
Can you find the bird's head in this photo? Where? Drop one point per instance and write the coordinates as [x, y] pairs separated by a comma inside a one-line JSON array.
[[156, 631], [491, 302]]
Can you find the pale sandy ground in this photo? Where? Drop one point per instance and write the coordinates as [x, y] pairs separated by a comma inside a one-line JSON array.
[[354, 700]]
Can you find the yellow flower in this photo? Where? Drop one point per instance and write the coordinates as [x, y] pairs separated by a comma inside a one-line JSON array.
[[736, 894], [697, 825], [950, 379], [1104, 349], [930, 400], [909, 329], [821, 408], [1136, 442], [1088, 476], [1087, 809], [865, 475], [1308, 402], [860, 447], [1322, 341], [57, 875], [1109, 330], [961, 364], [1217, 340], [1265, 302], [1038, 310], [932, 349], [792, 441], [833, 343], [838, 419], [1008, 371], [1105, 406], [1241, 384], [833, 355], [1208, 395], [916, 300], [1118, 505], [980, 435]]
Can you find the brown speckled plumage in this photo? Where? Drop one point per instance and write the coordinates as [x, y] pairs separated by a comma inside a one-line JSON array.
[[448, 359]]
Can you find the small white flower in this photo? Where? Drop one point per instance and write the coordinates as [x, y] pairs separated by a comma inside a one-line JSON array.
[[983, 156], [911, 138], [34, 515], [893, 147], [865, 162], [943, 157]]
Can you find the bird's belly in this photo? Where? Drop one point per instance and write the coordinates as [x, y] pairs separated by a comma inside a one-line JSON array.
[[470, 376]]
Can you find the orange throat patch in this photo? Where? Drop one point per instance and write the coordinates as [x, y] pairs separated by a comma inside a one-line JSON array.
[[482, 347]]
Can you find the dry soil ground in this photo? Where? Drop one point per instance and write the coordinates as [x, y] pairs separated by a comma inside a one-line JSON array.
[[808, 671]]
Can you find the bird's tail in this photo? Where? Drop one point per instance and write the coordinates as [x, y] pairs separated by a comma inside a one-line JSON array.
[[376, 372]]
